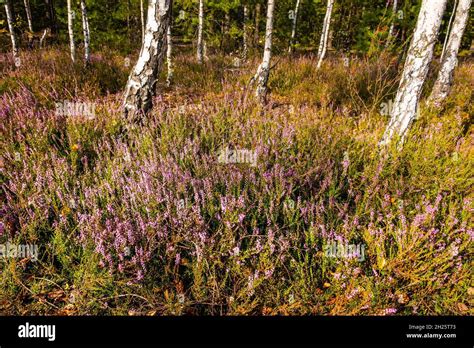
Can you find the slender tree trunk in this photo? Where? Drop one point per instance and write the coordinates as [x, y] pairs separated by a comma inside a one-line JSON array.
[[200, 26], [245, 37], [324, 35], [11, 28], [141, 83], [263, 70], [448, 29], [415, 70], [293, 28], [257, 24], [392, 25], [449, 62], [28, 15], [142, 18], [169, 57], [43, 37], [70, 28], [87, 36]]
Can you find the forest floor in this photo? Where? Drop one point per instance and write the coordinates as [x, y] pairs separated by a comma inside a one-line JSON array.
[[147, 219]]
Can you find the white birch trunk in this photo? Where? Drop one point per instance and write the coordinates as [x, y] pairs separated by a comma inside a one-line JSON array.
[[245, 37], [70, 28], [200, 26], [263, 70], [169, 52], [448, 29], [392, 25], [420, 54], [449, 62], [293, 28], [324, 35], [141, 83], [142, 18], [43, 37], [11, 28], [87, 36], [28, 15]]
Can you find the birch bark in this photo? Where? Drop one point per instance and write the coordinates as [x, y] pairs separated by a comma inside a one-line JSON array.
[[263, 70], [87, 35], [28, 15], [419, 56], [200, 27], [392, 25], [449, 62], [169, 55], [245, 37], [140, 87], [11, 28], [70, 28], [324, 35], [293, 28]]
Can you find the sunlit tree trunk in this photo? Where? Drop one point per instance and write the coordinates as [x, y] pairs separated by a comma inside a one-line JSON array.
[[245, 36], [200, 27], [449, 62], [46, 32], [142, 18], [87, 36], [70, 28], [325, 33], [263, 71], [141, 83], [28, 15], [392, 25], [169, 57], [11, 28], [419, 56], [448, 29], [293, 28]]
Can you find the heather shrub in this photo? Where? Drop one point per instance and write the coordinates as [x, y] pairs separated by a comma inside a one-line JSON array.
[[154, 223]]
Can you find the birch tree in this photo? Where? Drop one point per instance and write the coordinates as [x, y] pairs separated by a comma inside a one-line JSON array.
[[85, 28], [325, 33], [448, 29], [169, 53], [140, 87], [263, 71], [11, 28], [200, 26], [293, 27], [245, 37], [449, 61], [29, 18], [419, 56], [142, 18], [392, 24], [70, 28]]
